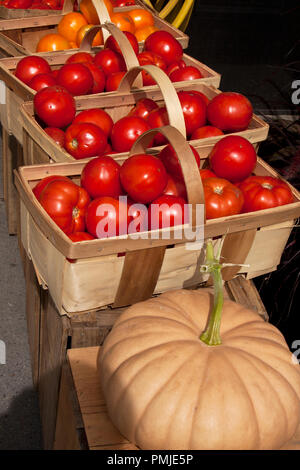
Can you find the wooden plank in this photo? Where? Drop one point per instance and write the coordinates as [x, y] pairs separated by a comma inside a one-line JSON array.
[[243, 291], [100, 432], [69, 425]]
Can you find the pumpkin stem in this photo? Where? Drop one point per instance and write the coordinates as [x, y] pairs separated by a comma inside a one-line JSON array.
[[211, 335]]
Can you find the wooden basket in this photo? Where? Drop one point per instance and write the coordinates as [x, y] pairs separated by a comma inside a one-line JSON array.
[[17, 13], [16, 92], [100, 277], [24, 38]]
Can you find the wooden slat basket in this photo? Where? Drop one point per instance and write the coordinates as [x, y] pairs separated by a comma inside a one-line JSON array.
[[24, 38], [155, 263]]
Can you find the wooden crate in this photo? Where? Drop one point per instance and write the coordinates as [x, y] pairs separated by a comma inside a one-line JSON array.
[[256, 239], [18, 13], [82, 419], [51, 335], [24, 38]]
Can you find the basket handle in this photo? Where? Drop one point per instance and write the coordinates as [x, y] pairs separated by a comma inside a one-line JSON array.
[[141, 268], [103, 14], [174, 109], [67, 7], [124, 44]]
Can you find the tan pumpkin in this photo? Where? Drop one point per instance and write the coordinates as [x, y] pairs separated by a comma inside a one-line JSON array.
[[166, 389]]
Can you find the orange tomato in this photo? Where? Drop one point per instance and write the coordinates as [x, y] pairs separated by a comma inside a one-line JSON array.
[[52, 42], [89, 11], [141, 18], [73, 45], [123, 21], [98, 39], [142, 33], [70, 24]]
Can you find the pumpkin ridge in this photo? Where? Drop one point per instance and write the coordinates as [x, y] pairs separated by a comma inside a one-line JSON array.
[[159, 391], [225, 356], [254, 360], [260, 325]]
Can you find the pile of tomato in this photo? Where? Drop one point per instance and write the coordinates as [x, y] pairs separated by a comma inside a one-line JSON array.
[[33, 4], [148, 192]]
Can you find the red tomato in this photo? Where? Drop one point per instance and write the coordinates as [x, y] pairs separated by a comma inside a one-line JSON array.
[[42, 80], [165, 45], [43, 183], [170, 160], [230, 112], [146, 58], [98, 76], [101, 177], [55, 106], [221, 198], [80, 236], [66, 203], [96, 116], [264, 192], [233, 158], [52, 4], [143, 177], [109, 61], [194, 111], [139, 217], [123, 3], [202, 95], [30, 66], [57, 135], [125, 132], [166, 211], [107, 217], [206, 131], [179, 64], [80, 57], [187, 73], [85, 140], [113, 81], [143, 107], [76, 78], [112, 44], [19, 4], [206, 173], [175, 188], [158, 118]]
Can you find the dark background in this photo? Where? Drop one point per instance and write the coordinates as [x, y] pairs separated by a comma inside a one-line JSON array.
[[255, 46]]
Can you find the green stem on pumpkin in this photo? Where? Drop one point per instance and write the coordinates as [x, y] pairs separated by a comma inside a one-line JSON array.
[[211, 335]]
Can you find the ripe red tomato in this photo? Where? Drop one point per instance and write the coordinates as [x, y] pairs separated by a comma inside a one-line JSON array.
[[194, 111], [143, 107], [206, 131], [123, 3], [66, 203], [85, 140], [101, 177], [96, 116], [146, 58], [30, 66], [202, 95], [175, 188], [80, 236], [107, 217], [80, 57], [57, 135], [206, 173], [113, 81], [166, 211], [230, 112], [126, 131], [264, 192], [52, 4], [139, 217], [43, 183], [158, 118], [186, 73], [76, 78], [165, 45], [112, 44], [233, 158], [179, 64], [55, 106], [222, 198], [98, 77], [42, 80], [143, 177], [19, 4], [170, 160], [109, 61]]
